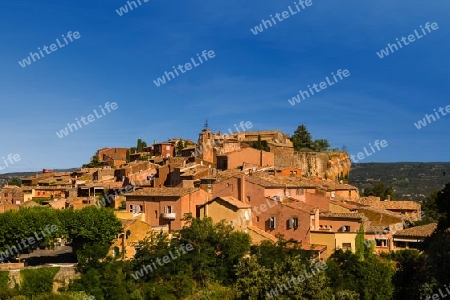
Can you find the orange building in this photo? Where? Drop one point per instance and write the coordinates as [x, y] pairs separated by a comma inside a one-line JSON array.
[[235, 159], [165, 207], [113, 156]]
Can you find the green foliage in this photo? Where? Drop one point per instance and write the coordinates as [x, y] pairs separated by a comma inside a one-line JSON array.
[[217, 248], [140, 146], [260, 145], [320, 145], [15, 181], [180, 146], [4, 279], [359, 242], [214, 291], [37, 281], [256, 281], [92, 230], [128, 156], [411, 278], [303, 141], [25, 223], [430, 210], [437, 247], [380, 190], [370, 277], [94, 163], [301, 138]]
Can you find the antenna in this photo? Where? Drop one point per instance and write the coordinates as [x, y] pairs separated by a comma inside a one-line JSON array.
[[206, 124]]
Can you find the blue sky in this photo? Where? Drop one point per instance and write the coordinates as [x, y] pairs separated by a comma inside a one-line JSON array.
[[250, 78]]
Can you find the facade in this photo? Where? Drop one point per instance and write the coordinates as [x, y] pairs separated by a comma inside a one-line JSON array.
[[166, 206], [164, 150], [230, 209], [236, 159], [337, 231], [112, 156], [410, 238], [126, 244], [12, 194]]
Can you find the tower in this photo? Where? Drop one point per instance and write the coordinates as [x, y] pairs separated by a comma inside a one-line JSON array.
[[206, 144]]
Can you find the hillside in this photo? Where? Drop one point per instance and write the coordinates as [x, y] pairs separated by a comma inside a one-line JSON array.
[[411, 181]]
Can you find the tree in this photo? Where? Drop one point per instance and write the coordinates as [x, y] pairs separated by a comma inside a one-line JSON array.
[[430, 210], [260, 145], [380, 190], [139, 146], [94, 163], [128, 156], [411, 278], [321, 145], [370, 277], [180, 147], [15, 181], [301, 138], [437, 247], [92, 227]]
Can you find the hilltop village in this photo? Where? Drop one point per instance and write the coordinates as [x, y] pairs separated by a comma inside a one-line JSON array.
[[304, 196]]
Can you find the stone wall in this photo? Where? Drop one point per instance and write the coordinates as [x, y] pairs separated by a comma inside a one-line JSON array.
[[62, 278]]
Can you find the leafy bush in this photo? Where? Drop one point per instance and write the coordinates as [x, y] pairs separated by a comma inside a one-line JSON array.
[[37, 281]]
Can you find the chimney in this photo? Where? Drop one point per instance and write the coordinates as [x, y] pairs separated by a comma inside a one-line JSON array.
[[242, 188], [316, 219]]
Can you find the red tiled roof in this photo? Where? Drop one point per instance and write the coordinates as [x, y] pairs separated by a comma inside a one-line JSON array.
[[233, 201], [418, 231], [298, 205], [161, 192], [354, 216], [262, 233]]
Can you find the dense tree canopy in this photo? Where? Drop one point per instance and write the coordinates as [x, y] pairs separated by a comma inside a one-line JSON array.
[[303, 141], [380, 190]]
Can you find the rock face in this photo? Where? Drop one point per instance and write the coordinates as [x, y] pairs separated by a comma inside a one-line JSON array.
[[330, 165]]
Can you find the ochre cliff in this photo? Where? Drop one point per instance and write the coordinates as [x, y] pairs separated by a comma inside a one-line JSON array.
[[330, 165]]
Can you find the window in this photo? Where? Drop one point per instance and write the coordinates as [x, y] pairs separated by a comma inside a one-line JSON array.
[[257, 219], [381, 242], [6, 195], [273, 222], [116, 252], [299, 192], [156, 214], [248, 198], [345, 228], [135, 208], [292, 223], [347, 246], [169, 209], [168, 148], [295, 223]]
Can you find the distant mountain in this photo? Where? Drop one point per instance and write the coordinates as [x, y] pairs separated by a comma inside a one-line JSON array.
[[411, 181]]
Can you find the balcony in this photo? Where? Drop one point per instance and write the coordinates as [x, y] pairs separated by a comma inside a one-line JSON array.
[[169, 216]]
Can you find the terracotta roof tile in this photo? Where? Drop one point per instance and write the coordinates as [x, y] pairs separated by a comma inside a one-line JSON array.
[[263, 233], [355, 216], [161, 192], [235, 202], [418, 231]]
